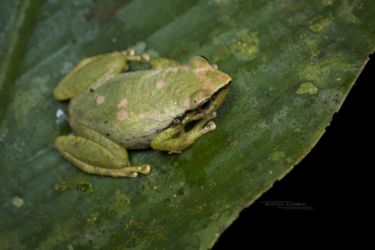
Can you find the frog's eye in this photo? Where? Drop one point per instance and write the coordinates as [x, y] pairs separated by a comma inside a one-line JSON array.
[[204, 106], [205, 58], [198, 61]]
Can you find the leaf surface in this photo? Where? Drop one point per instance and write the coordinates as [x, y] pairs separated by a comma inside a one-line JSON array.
[[292, 63]]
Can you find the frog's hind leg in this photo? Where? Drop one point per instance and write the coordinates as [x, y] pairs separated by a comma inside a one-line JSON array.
[[97, 155], [93, 158], [91, 72]]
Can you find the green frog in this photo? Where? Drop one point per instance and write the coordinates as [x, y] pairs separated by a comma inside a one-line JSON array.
[[112, 109]]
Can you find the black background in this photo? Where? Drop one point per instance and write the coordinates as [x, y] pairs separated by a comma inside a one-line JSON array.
[[330, 182]]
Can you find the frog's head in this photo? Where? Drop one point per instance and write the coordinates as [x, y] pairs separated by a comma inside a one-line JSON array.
[[213, 86]]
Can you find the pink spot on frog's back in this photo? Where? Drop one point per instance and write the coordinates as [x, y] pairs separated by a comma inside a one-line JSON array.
[[100, 100], [160, 84], [122, 115], [122, 104]]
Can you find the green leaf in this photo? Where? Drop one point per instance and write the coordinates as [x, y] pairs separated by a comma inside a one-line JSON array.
[[292, 62]]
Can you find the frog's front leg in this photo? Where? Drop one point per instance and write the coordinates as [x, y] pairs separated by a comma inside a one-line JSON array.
[[98, 155], [175, 139]]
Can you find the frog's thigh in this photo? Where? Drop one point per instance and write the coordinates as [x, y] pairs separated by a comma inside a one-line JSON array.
[[72, 85], [93, 158], [175, 139], [89, 72], [83, 63]]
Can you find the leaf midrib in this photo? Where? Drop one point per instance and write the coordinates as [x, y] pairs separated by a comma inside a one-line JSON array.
[[22, 25]]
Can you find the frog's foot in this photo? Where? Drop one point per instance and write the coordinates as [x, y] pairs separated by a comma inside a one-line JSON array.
[[191, 136], [208, 127], [176, 139], [155, 63], [94, 158], [203, 126], [130, 55]]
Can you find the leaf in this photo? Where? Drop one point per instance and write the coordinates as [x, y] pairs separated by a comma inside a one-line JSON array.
[[292, 62]]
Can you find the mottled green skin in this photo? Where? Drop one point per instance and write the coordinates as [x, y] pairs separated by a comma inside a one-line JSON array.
[[113, 111], [151, 101]]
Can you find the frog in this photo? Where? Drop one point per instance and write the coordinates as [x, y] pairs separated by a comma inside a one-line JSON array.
[[167, 107]]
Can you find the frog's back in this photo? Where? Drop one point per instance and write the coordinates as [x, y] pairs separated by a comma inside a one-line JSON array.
[[132, 107]]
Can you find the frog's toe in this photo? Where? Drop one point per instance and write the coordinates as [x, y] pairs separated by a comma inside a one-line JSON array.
[[129, 171], [133, 174], [145, 169], [209, 126], [145, 57], [120, 173], [130, 52], [170, 152]]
